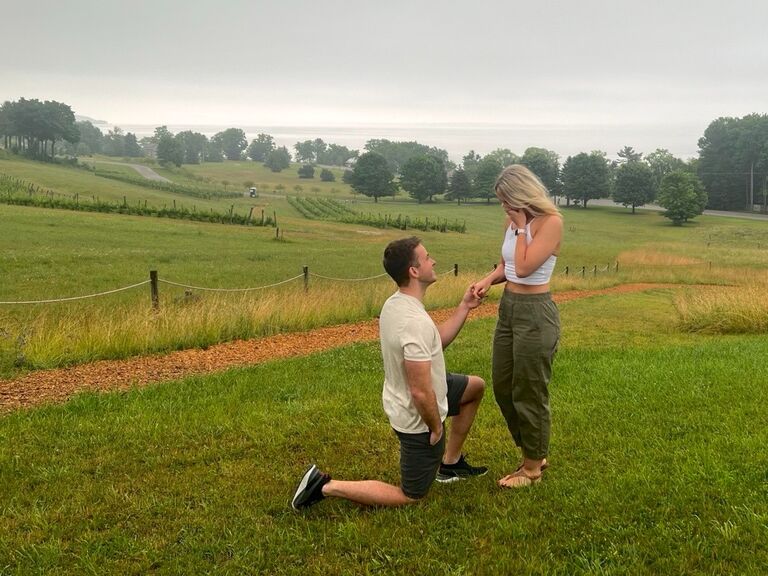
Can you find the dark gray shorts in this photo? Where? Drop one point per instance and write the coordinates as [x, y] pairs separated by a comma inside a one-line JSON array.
[[419, 461]]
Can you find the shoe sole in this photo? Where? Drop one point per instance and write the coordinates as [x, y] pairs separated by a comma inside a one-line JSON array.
[[302, 487], [449, 479]]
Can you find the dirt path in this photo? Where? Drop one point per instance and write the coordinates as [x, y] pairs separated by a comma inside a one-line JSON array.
[[47, 386]]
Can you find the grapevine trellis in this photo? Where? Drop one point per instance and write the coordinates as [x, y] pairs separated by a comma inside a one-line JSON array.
[[328, 209]]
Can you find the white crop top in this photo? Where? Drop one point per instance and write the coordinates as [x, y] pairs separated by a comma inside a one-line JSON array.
[[536, 278]]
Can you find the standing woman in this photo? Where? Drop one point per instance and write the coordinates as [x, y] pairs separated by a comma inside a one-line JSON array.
[[528, 328]]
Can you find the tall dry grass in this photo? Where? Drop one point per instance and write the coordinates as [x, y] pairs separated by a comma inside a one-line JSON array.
[[725, 309], [58, 337], [64, 335]]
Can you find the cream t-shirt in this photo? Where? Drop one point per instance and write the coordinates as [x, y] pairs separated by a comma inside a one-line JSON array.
[[408, 333]]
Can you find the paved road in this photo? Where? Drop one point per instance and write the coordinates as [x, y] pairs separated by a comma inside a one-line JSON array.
[[148, 173], [145, 171], [746, 215]]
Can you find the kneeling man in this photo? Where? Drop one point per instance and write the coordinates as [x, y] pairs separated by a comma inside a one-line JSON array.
[[418, 394]]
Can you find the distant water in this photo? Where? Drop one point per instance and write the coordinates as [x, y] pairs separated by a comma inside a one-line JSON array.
[[458, 139]]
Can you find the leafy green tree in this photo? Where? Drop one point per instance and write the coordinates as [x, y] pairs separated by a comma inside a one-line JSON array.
[[348, 176], [398, 153], [91, 137], [327, 176], [213, 151], [170, 150], [469, 163], [634, 185], [423, 177], [460, 188], [683, 195], [260, 147], [161, 131], [90, 142], [586, 176], [307, 171], [733, 161], [628, 154], [305, 151], [662, 162], [193, 145], [31, 126], [278, 159], [488, 170], [372, 177], [320, 148], [335, 155], [132, 148], [114, 142], [546, 165], [233, 142], [505, 157]]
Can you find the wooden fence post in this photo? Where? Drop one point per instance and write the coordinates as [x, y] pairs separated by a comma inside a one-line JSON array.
[[455, 269], [306, 278], [583, 271], [153, 289], [566, 270]]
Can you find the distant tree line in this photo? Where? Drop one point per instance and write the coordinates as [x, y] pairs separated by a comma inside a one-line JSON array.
[[318, 152], [733, 162], [32, 127], [731, 171]]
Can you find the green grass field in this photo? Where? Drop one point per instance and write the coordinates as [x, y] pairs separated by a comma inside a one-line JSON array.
[[659, 426], [658, 466], [51, 254]]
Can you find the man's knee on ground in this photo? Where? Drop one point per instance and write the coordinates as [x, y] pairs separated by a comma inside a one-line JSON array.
[[414, 498], [475, 389], [415, 495]]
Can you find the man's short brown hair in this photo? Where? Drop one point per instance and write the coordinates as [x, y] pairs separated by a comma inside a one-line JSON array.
[[399, 257]]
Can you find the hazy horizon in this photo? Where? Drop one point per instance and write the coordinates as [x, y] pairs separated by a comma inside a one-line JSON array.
[[459, 138], [658, 71]]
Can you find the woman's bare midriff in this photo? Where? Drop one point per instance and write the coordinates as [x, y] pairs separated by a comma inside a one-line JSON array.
[[526, 288]]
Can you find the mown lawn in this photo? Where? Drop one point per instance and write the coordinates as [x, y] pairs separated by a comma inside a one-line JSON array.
[[658, 466]]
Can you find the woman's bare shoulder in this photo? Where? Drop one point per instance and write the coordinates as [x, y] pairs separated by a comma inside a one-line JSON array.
[[548, 221]]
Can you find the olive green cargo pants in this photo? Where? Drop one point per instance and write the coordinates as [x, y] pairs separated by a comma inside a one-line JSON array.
[[524, 344]]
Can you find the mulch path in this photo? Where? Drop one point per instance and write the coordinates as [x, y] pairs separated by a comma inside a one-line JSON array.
[[57, 385]]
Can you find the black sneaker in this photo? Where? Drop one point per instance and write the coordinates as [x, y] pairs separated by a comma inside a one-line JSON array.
[[310, 489], [459, 471]]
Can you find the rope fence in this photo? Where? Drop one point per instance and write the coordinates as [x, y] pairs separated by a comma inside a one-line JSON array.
[[230, 289], [69, 299], [154, 282]]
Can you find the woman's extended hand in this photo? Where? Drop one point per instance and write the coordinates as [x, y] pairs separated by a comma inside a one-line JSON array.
[[481, 287]]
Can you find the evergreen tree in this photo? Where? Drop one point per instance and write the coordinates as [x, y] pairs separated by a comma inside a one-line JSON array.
[[460, 187]]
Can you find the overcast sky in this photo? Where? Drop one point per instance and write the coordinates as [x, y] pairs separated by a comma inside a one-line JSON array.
[[322, 62]]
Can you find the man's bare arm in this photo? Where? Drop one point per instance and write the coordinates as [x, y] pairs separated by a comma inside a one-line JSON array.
[[419, 376]]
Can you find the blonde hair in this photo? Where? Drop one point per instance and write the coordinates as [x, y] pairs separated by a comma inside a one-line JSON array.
[[522, 190]]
